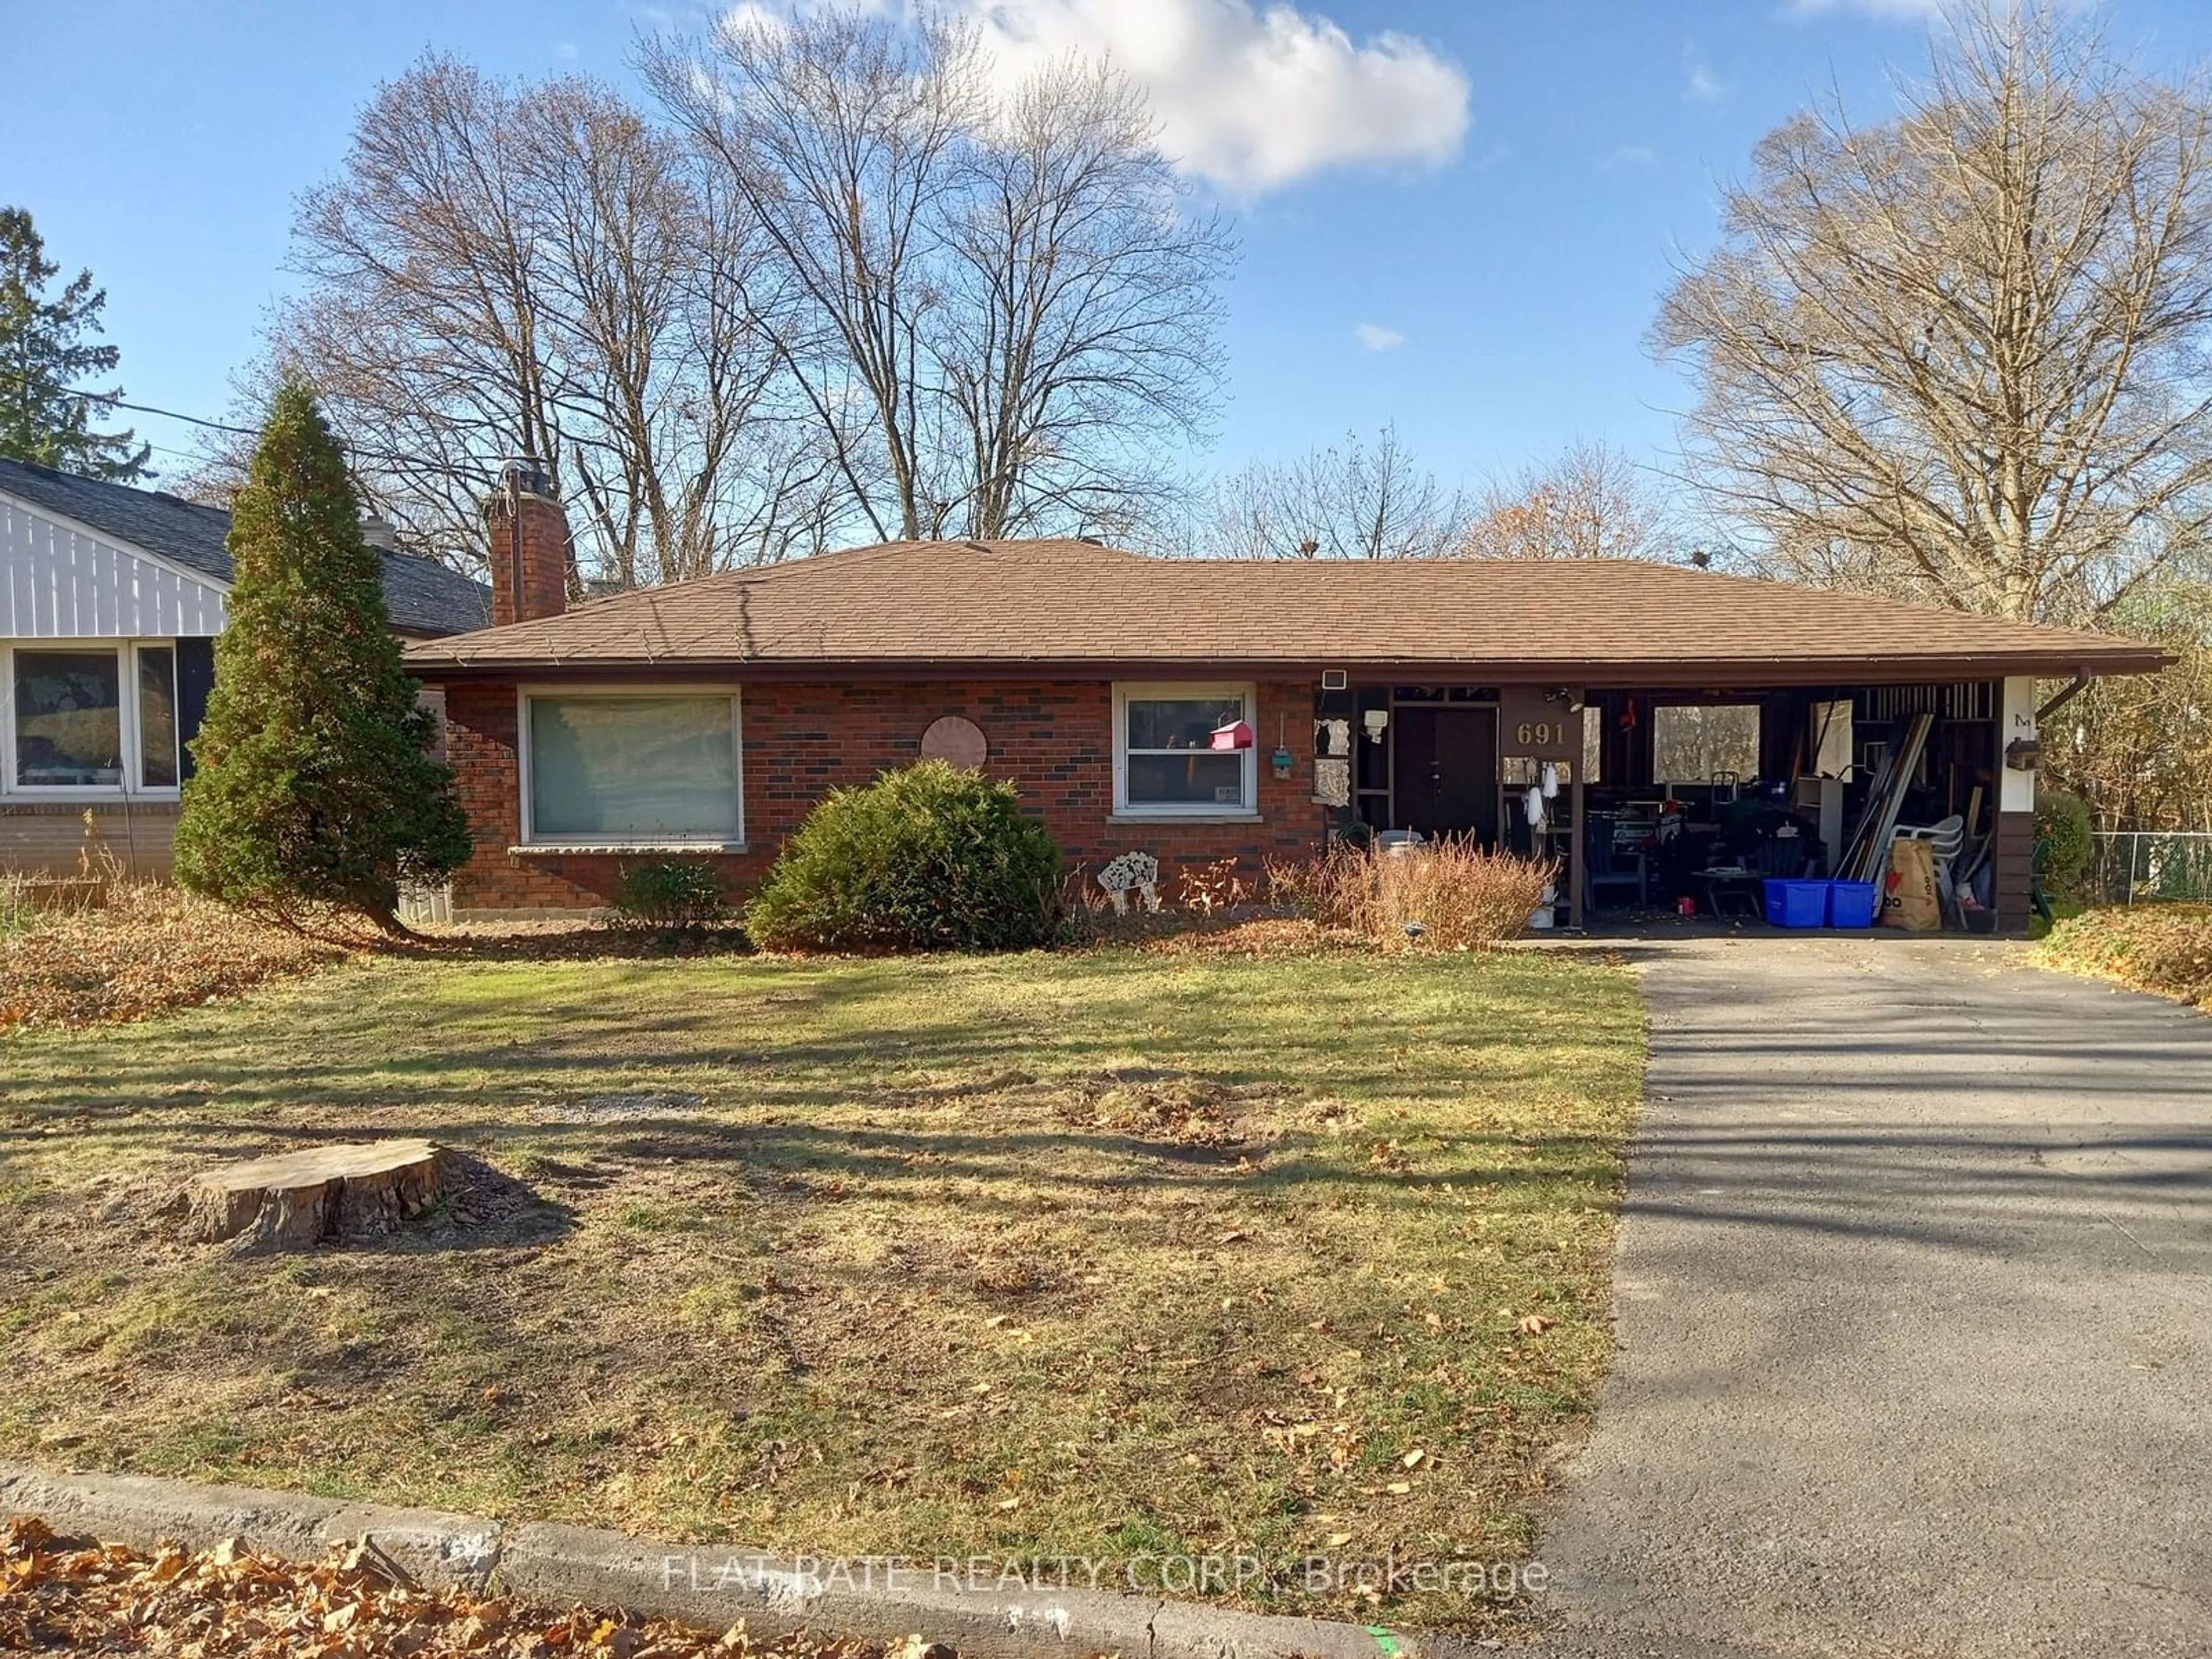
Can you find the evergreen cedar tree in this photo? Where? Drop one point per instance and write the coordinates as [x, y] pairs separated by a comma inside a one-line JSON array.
[[312, 783], [44, 354]]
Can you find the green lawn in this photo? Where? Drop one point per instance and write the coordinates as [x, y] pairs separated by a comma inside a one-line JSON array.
[[1106, 1253]]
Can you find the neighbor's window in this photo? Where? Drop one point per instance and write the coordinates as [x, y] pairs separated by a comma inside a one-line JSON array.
[[1697, 742], [159, 758], [68, 718], [645, 768], [1164, 761]]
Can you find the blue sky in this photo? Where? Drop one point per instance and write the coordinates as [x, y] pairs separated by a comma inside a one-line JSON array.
[[1492, 189]]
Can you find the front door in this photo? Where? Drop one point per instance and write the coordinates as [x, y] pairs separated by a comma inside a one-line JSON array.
[[1445, 767]]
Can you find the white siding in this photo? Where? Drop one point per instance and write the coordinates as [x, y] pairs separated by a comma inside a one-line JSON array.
[[2015, 788], [59, 582]]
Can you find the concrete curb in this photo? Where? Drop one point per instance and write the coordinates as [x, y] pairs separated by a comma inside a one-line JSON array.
[[142, 1510], [710, 1586]]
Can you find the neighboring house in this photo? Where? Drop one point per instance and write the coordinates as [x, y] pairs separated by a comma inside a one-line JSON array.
[[1203, 709], [110, 601]]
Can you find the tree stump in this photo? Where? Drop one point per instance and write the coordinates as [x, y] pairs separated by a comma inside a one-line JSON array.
[[295, 1200]]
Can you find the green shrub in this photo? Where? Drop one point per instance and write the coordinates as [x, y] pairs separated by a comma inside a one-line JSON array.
[[667, 894], [2064, 837], [931, 858]]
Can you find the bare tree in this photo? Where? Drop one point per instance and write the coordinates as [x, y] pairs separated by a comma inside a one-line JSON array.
[[1078, 342], [1008, 310], [1592, 502], [1357, 499], [1961, 355], [534, 270], [843, 134]]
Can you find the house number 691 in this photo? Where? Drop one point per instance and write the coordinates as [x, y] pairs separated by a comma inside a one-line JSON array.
[[1540, 732]]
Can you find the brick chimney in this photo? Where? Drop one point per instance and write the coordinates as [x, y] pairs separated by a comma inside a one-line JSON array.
[[528, 533]]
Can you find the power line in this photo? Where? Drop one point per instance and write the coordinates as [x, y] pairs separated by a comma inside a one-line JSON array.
[[115, 400]]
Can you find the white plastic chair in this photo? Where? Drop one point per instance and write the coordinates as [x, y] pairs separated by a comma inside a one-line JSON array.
[[1946, 840]]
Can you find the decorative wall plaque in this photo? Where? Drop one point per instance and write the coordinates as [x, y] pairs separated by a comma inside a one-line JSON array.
[[958, 740], [1333, 782]]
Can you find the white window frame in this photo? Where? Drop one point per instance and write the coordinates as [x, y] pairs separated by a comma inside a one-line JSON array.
[[531, 842], [126, 652], [1247, 809]]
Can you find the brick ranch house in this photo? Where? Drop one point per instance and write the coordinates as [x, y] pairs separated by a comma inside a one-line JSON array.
[[110, 598], [1206, 709]]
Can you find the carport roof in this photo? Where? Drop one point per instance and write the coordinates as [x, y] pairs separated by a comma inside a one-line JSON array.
[[1062, 607]]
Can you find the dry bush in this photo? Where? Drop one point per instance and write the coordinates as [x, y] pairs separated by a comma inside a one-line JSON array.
[[1206, 888], [2162, 948], [1445, 895], [144, 947], [1294, 884]]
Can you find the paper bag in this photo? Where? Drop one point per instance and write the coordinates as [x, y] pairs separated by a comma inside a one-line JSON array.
[[1908, 896]]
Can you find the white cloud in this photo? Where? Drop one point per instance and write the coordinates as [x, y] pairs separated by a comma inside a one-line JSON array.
[[1373, 337], [1250, 97], [1700, 85], [1626, 155]]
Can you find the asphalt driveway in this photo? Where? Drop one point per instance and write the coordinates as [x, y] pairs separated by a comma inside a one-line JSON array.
[[1914, 1289]]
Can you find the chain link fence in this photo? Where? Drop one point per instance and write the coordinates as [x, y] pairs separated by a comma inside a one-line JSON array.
[[2143, 866]]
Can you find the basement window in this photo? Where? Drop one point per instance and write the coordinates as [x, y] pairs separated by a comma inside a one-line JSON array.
[[620, 769], [1165, 764]]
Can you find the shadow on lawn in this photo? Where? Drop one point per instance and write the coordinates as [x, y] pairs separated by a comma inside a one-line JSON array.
[[705, 1049]]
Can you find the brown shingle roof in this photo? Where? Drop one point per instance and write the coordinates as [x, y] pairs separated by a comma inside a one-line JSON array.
[[938, 608]]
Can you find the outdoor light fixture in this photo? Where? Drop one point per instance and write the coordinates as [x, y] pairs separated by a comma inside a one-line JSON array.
[[1375, 720]]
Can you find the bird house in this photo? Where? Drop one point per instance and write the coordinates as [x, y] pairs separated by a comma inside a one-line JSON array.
[[1237, 734]]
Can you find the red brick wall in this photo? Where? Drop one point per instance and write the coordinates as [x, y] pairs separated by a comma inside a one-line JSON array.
[[1054, 741], [538, 585]]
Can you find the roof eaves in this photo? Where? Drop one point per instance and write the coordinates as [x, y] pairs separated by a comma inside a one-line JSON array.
[[1675, 673]]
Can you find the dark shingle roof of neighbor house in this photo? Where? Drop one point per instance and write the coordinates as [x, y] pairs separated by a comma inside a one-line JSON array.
[[423, 596], [931, 608]]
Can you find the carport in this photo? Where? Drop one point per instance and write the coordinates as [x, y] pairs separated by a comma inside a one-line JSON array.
[[1683, 789]]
